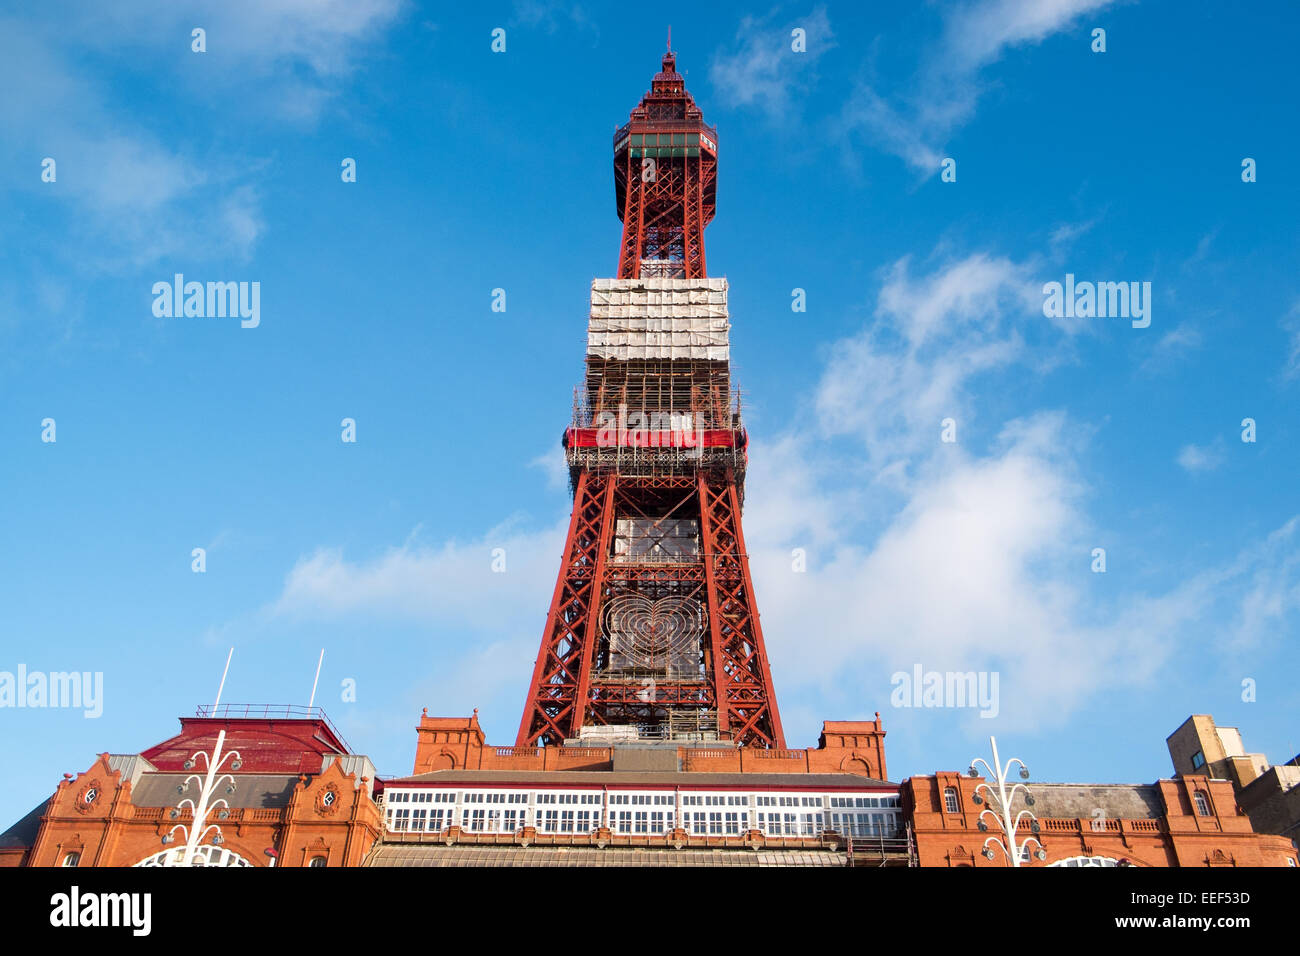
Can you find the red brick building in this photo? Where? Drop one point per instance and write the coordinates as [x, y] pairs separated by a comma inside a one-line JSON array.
[[1189, 821], [296, 796], [303, 795]]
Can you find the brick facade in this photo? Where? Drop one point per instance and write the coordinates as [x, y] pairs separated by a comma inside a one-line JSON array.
[[116, 812], [1144, 825], [458, 743]]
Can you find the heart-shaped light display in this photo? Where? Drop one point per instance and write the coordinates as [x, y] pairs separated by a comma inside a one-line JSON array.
[[646, 634]]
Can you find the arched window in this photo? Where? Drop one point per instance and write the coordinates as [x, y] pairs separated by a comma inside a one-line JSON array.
[[317, 861], [206, 855], [950, 800], [1202, 805], [72, 859], [1087, 861]]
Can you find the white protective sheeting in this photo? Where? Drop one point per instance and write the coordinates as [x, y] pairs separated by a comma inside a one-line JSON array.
[[657, 318]]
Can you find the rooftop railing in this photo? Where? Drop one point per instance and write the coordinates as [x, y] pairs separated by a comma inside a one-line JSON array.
[[272, 712]]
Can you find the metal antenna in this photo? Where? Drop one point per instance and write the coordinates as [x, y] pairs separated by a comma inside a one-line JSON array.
[[312, 702], [670, 38], [222, 686]]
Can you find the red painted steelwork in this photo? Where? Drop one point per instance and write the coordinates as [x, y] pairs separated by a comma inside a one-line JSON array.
[[661, 538]]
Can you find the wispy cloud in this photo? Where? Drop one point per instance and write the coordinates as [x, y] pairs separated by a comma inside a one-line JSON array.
[[1291, 325], [1269, 608], [982, 558], [916, 123], [894, 382], [452, 584], [1170, 347], [761, 70], [1198, 458], [288, 57], [125, 185], [1065, 234], [135, 196], [551, 15]]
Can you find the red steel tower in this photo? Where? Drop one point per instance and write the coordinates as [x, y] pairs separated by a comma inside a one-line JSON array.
[[652, 631]]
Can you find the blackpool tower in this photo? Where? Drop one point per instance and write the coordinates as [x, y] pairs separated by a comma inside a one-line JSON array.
[[652, 631]]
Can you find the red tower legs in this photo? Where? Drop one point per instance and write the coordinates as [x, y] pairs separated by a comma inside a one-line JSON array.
[[735, 683], [742, 677]]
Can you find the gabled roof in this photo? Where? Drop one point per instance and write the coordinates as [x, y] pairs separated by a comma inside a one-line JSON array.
[[23, 833]]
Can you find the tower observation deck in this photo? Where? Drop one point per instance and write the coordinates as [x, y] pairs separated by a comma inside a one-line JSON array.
[[665, 181]]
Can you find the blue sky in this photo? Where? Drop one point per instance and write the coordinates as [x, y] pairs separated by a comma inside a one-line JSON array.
[[479, 170]]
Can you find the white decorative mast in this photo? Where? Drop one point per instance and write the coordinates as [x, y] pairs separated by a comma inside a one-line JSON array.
[[1002, 814], [199, 827], [312, 702]]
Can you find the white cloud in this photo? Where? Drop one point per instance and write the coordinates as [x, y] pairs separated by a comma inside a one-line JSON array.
[[763, 71], [1197, 458], [293, 50], [982, 566], [552, 15], [1065, 233], [981, 560], [1173, 345], [1269, 607], [554, 466], [482, 626], [947, 87], [893, 383], [137, 197], [450, 585]]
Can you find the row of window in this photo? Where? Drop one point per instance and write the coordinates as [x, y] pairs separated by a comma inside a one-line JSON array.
[[641, 799], [789, 801], [716, 800], [561, 798], [665, 139], [864, 802], [664, 799], [423, 796], [492, 798], [696, 822]]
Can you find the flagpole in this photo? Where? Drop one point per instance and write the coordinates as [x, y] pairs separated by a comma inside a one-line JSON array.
[[312, 703], [222, 686]]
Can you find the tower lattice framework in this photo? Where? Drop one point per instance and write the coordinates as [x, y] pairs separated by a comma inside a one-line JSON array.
[[652, 631]]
